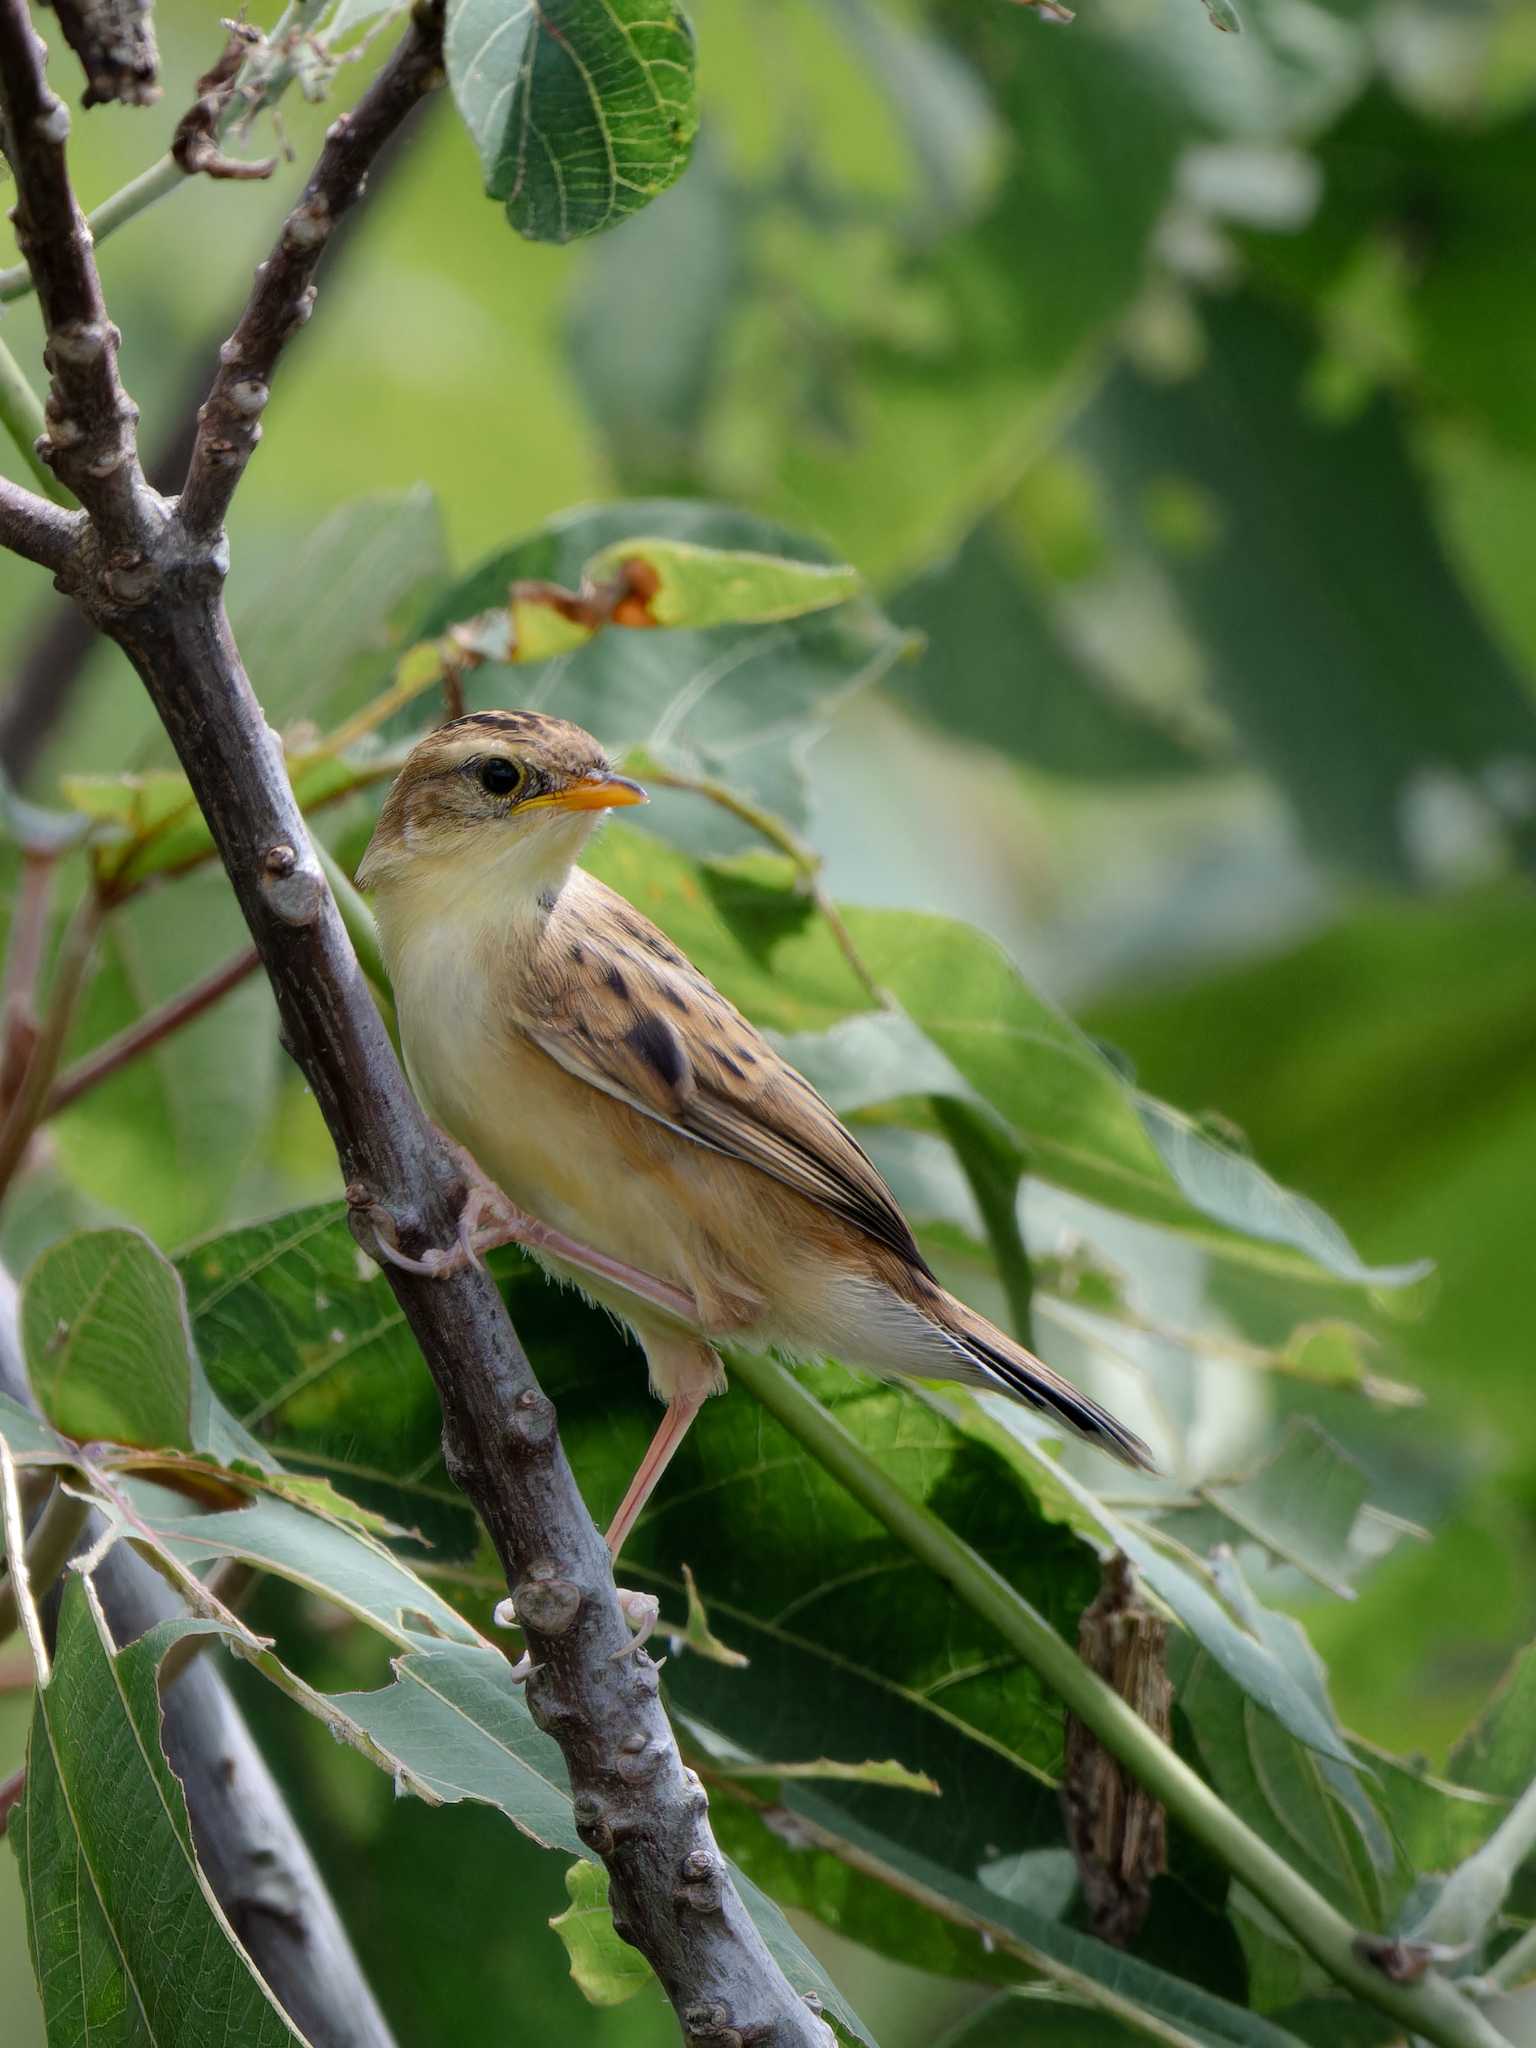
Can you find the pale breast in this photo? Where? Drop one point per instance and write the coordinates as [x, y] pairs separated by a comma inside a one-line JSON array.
[[558, 1147]]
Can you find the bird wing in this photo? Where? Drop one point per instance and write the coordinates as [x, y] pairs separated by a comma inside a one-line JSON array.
[[613, 1001]]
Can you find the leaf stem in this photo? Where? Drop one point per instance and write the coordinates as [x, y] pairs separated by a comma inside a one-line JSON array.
[[148, 1030], [21, 415], [1433, 2008], [993, 1164], [807, 861], [24, 1113], [364, 934], [162, 176], [1473, 1894], [49, 1547]]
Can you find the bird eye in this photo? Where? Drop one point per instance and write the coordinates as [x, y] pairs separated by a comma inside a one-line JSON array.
[[499, 776]]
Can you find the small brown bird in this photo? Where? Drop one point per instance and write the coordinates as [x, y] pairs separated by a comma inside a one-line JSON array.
[[678, 1169]]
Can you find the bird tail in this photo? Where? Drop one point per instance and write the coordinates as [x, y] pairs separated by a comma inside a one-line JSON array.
[[998, 1362]]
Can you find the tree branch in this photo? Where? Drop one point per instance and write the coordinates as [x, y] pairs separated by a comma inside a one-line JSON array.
[[636, 1805], [90, 441], [148, 1030], [283, 295], [30, 526]]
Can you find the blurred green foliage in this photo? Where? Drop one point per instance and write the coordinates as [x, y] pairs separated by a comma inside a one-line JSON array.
[[1172, 384]]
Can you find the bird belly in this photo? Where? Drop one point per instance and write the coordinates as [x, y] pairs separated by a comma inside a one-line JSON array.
[[556, 1146]]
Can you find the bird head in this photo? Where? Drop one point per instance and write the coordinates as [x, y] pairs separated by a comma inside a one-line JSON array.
[[509, 791]]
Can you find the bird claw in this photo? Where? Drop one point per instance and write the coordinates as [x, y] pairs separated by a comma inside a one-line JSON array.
[[640, 1610], [504, 1615]]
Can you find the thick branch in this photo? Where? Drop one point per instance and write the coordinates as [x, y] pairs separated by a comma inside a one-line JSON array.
[[90, 440], [283, 295], [637, 1806], [30, 526]]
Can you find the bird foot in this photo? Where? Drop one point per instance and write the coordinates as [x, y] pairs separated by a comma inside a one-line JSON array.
[[489, 1219], [640, 1610]]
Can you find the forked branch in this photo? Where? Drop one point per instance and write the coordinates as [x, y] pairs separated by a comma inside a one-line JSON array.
[[151, 575]]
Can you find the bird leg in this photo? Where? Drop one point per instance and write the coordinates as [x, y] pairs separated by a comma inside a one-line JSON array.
[[511, 1225], [692, 1386], [681, 1410]]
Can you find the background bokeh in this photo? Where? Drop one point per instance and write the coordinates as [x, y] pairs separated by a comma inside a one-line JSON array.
[[1177, 387]]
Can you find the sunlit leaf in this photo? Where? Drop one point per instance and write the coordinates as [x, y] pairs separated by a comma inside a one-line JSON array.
[[740, 703], [582, 110], [110, 1352]]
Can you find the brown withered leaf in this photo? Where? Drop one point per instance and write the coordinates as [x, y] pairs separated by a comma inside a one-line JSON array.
[[1117, 1831]]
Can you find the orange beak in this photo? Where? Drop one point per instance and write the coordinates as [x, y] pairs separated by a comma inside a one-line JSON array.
[[598, 793]]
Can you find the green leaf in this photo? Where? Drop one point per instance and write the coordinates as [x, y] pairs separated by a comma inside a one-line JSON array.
[[1494, 1755], [152, 823], [1301, 1505], [700, 587], [739, 703], [30, 1439], [317, 634], [129, 1945], [1233, 1636], [110, 1352], [996, 668], [1105, 1979], [1362, 657], [337, 1562], [305, 1343], [582, 110], [607, 1971]]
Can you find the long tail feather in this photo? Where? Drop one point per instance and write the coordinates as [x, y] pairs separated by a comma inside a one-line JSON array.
[[1007, 1366]]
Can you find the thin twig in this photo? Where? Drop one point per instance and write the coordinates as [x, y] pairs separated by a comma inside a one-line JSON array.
[[21, 416], [90, 442], [32, 527], [53, 1538], [163, 176], [808, 863], [283, 296], [148, 1030], [22, 1116]]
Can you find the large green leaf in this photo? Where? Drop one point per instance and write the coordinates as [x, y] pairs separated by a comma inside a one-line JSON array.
[[307, 1346], [110, 1352], [318, 634], [736, 702], [1149, 2001], [1257, 505], [129, 1945], [582, 110], [1301, 1505]]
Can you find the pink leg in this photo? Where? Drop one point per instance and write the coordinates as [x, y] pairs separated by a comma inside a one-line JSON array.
[[681, 1410]]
